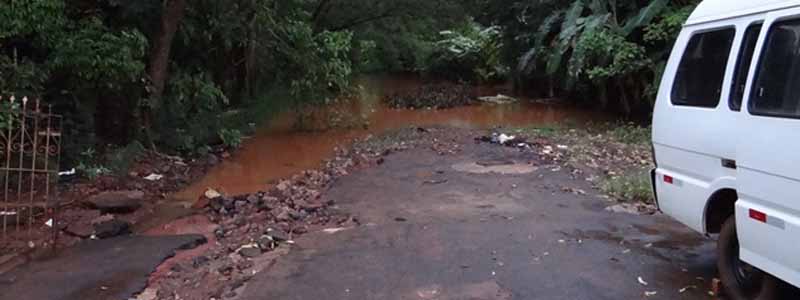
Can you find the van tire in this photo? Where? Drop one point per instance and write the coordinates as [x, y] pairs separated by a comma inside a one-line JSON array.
[[761, 285]]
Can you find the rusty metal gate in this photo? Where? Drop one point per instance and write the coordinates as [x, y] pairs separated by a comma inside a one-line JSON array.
[[30, 144]]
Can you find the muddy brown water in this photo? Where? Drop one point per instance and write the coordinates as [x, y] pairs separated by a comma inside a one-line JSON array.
[[278, 150]]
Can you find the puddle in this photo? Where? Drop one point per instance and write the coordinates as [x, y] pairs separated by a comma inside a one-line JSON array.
[[278, 151], [505, 169]]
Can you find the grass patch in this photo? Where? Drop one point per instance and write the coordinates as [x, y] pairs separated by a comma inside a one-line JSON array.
[[630, 134], [545, 130], [633, 187]]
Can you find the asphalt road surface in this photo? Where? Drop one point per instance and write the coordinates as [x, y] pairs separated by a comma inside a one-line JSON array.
[[490, 223]]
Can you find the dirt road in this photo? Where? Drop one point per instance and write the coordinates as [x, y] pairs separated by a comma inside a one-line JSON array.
[[488, 223]]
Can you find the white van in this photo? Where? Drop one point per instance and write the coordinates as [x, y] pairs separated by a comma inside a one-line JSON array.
[[726, 138]]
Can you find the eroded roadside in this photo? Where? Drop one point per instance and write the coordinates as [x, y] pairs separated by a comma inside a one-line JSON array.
[[252, 233], [256, 236]]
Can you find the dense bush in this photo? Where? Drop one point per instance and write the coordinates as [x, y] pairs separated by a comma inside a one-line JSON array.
[[175, 74], [472, 52]]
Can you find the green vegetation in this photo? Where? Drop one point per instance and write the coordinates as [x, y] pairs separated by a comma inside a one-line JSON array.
[[632, 187], [179, 75], [176, 75], [608, 53]]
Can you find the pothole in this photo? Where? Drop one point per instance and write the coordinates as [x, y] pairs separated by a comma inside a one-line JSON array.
[[499, 168]]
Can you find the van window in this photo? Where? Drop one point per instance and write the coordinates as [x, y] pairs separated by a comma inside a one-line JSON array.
[[743, 65], [698, 81], [775, 91]]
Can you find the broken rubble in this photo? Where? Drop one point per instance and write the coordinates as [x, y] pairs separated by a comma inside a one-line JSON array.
[[250, 252], [111, 228], [277, 235], [117, 201]]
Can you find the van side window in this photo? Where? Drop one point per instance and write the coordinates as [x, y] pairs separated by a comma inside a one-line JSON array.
[[698, 81], [776, 92], [743, 66]]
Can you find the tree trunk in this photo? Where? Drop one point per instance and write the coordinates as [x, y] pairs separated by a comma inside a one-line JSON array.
[[171, 18], [158, 67]]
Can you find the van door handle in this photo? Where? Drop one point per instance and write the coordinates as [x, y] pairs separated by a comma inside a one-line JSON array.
[[729, 163]]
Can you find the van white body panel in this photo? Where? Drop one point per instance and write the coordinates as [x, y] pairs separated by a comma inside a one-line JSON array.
[[769, 175], [716, 10], [690, 142], [693, 144]]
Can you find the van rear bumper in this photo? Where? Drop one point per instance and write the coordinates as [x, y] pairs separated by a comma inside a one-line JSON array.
[[653, 186]]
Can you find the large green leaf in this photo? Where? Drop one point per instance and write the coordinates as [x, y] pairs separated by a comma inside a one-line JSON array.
[[546, 27], [644, 16], [527, 62], [569, 27], [592, 24], [554, 59]]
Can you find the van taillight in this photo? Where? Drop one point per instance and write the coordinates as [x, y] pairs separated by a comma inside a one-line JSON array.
[[668, 179], [758, 216]]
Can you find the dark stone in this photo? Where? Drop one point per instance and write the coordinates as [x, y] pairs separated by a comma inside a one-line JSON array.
[[265, 243], [80, 229], [216, 204], [240, 205], [283, 214], [111, 228], [118, 202], [228, 203], [277, 235], [298, 215], [200, 261], [212, 159], [250, 252], [300, 230]]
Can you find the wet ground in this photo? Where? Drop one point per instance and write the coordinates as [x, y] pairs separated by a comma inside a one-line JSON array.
[[279, 150], [488, 223], [115, 268]]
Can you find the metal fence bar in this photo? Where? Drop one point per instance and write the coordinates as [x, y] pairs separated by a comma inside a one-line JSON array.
[[31, 152], [7, 145]]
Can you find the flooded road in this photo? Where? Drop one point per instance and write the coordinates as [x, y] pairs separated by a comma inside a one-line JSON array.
[[278, 150]]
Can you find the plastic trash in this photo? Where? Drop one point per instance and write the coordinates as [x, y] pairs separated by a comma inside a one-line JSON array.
[[154, 177]]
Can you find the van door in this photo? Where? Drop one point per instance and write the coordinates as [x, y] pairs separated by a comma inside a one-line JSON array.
[[690, 135], [768, 209]]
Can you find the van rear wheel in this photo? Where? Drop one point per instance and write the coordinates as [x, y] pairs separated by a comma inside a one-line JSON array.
[[741, 280]]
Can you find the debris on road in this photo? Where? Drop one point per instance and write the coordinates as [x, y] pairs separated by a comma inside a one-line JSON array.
[[641, 281], [650, 293], [334, 230], [154, 177], [434, 181], [212, 194], [68, 172], [504, 140], [686, 288], [716, 287]]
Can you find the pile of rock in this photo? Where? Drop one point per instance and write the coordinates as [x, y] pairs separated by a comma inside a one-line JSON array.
[[433, 96]]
